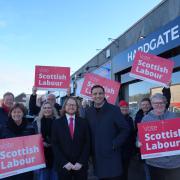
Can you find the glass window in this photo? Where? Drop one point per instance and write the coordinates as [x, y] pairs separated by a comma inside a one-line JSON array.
[[139, 90]]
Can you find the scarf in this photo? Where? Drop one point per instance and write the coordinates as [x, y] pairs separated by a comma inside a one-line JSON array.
[[5, 108]]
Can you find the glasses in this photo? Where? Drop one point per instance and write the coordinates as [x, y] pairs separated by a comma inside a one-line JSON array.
[[47, 107], [158, 103], [71, 105]]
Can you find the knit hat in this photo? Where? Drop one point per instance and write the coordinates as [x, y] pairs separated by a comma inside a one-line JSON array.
[[123, 103]]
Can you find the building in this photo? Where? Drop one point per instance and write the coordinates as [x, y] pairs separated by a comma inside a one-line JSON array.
[[158, 32], [21, 98]]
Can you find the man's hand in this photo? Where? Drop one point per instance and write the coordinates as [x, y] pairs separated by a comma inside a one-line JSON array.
[[68, 166], [77, 166], [169, 83], [138, 144]]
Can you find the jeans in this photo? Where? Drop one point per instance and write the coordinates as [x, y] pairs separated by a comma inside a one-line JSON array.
[[147, 172], [46, 174]]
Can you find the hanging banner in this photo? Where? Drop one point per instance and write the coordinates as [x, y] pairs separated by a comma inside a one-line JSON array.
[[111, 87], [21, 154], [152, 68], [159, 138], [52, 78]]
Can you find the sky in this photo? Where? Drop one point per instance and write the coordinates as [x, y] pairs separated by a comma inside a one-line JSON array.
[[58, 33]]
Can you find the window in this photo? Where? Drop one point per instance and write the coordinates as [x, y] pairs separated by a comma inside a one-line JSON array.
[[139, 90]]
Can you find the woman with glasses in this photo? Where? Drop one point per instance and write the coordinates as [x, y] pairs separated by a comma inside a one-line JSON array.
[[162, 168], [70, 140]]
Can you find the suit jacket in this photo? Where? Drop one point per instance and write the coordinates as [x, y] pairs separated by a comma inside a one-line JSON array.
[[67, 149]]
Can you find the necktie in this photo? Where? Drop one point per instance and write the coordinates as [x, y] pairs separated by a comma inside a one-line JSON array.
[[71, 119]]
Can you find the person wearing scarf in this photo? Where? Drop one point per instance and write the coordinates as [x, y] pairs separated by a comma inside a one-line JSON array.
[[7, 103]]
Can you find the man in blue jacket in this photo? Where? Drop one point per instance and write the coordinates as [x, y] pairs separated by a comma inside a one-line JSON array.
[[108, 130]]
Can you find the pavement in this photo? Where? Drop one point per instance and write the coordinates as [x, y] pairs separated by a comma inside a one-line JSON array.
[[136, 171]]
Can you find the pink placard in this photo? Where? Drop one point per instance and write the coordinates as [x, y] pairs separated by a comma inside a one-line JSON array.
[[21, 154], [111, 87], [52, 78], [159, 138], [152, 68]]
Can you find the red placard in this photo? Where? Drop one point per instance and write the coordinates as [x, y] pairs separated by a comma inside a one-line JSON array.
[[52, 78], [152, 68], [111, 87], [21, 154], [159, 138]]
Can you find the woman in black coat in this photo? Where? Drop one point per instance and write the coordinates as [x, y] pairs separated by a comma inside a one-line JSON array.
[[18, 126], [43, 122]]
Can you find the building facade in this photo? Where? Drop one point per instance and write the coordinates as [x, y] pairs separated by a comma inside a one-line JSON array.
[[158, 32]]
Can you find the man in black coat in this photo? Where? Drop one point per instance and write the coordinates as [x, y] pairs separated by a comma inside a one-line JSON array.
[[108, 130]]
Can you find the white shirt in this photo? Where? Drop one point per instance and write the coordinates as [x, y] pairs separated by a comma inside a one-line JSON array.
[[70, 116]]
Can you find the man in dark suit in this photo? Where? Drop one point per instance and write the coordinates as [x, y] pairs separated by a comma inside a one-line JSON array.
[[108, 130], [70, 140]]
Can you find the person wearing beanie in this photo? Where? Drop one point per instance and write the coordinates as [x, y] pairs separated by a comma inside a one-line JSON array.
[[124, 107], [7, 103], [129, 146]]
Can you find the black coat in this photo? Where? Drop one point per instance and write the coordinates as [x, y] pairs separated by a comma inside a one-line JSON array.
[[108, 130], [44, 127], [3, 116], [33, 108], [11, 130], [67, 149], [129, 146], [138, 118]]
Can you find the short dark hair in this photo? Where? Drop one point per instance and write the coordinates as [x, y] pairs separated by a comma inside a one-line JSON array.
[[20, 106], [97, 86], [8, 94], [146, 99]]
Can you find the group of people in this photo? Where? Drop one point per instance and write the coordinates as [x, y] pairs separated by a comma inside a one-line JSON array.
[[103, 134]]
